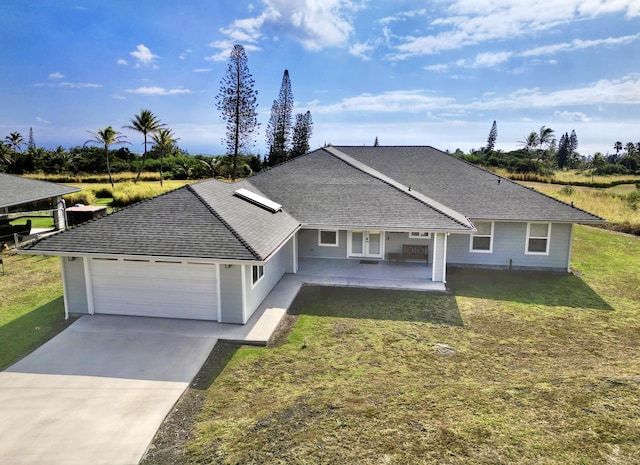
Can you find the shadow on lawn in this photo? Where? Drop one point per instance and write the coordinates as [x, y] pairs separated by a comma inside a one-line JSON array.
[[377, 304], [26, 333], [527, 287]]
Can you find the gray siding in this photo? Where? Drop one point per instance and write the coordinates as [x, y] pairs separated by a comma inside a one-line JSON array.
[[395, 241], [273, 271], [509, 245], [231, 294], [75, 286], [308, 245]]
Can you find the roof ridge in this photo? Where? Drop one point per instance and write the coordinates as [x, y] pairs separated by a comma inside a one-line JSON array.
[[225, 223], [428, 201]]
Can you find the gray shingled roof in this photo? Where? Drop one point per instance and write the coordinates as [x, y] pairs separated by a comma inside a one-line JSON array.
[[321, 190], [190, 222], [16, 190], [466, 188]]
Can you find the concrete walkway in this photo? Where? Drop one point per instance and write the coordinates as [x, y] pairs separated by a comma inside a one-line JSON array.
[[97, 392]]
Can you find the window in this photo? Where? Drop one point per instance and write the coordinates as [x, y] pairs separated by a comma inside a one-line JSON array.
[[538, 238], [327, 238], [257, 272], [482, 239], [419, 235]]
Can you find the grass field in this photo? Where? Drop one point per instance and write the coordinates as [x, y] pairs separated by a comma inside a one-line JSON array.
[[611, 203], [512, 368], [571, 177], [31, 308]]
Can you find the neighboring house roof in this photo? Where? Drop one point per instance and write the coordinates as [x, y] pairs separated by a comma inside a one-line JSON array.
[[466, 188], [322, 190], [202, 220], [16, 190]]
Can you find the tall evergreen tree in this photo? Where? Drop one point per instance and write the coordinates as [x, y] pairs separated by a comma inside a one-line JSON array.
[[573, 142], [302, 132], [493, 135], [564, 151], [280, 124], [237, 103], [376, 143], [32, 142]]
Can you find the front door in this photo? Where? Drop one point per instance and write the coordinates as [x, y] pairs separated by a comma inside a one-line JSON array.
[[366, 244]]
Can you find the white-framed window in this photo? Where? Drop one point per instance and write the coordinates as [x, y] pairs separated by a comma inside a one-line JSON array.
[[538, 238], [257, 272], [327, 237], [419, 235], [482, 240]]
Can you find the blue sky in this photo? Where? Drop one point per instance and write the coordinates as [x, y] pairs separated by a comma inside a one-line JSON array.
[[409, 72]]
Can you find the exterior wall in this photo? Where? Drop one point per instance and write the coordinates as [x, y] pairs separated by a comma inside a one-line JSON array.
[[509, 247], [231, 294], [273, 271], [395, 240], [75, 287], [308, 245]]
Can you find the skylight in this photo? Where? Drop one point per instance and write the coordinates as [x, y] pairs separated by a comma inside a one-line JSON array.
[[259, 200]]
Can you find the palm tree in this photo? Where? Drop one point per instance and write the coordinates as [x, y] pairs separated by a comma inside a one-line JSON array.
[[145, 123], [15, 141], [617, 147], [545, 138], [163, 140], [5, 154], [106, 137], [530, 141]]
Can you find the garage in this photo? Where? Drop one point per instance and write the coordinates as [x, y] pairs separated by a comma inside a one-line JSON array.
[[154, 288]]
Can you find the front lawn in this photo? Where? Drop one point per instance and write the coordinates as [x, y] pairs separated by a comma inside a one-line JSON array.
[[512, 368], [31, 307]]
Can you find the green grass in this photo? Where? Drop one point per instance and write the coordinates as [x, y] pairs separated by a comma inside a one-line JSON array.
[[31, 308], [512, 368]]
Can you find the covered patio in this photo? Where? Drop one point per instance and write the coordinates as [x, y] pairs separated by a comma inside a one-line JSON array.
[[368, 273]]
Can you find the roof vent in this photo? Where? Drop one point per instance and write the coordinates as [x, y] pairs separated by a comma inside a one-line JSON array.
[[259, 200]]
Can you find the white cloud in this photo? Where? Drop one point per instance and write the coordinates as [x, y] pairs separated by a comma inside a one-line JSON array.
[[183, 55], [403, 16], [122, 62], [361, 50], [42, 120], [79, 85], [572, 116], [471, 22], [202, 70], [225, 47], [316, 24], [56, 75], [437, 68], [153, 90], [392, 101], [489, 59], [143, 56], [578, 44]]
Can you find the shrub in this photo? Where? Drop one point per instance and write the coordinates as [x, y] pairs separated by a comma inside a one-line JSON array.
[[85, 197], [567, 190], [129, 193]]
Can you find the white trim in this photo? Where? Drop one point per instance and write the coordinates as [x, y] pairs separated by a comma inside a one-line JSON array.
[[88, 282], [65, 289], [491, 234], [528, 237], [244, 293], [433, 257], [218, 296], [444, 259], [570, 247], [295, 253], [420, 235], [256, 282], [321, 244]]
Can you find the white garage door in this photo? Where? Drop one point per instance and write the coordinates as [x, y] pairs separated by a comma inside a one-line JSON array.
[[160, 289]]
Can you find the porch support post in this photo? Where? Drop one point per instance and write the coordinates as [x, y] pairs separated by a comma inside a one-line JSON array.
[[439, 265]]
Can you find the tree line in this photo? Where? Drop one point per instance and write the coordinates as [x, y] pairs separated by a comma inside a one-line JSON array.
[[542, 152], [237, 103]]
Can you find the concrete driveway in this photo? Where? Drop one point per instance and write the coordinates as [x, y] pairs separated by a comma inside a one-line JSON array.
[[97, 392]]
